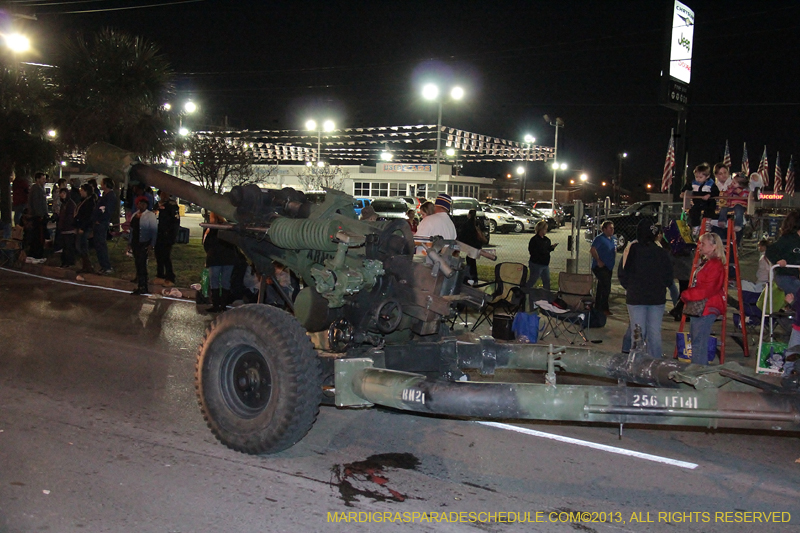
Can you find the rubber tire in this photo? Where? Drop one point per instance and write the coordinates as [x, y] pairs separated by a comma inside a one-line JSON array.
[[492, 226], [518, 227], [295, 378]]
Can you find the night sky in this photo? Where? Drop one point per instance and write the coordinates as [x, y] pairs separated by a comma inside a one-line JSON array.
[[596, 64]]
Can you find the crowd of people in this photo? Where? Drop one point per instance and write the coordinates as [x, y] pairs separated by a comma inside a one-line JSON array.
[[648, 270], [84, 215], [651, 267]]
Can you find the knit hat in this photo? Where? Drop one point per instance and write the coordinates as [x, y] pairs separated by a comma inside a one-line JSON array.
[[646, 231], [141, 198], [444, 200]]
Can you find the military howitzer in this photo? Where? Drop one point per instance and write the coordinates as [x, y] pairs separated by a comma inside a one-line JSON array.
[[377, 316]]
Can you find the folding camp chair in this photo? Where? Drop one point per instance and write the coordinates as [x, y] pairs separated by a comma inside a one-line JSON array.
[[507, 295], [11, 248], [570, 310]]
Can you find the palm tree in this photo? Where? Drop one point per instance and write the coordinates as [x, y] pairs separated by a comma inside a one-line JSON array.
[[25, 147], [111, 87]]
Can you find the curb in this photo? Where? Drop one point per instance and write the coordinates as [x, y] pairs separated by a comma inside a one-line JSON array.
[[99, 280]]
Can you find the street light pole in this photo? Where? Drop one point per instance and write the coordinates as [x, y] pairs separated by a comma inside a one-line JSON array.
[[328, 125], [438, 148], [555, 159], [620, 156], [530, 139], [431, 92]]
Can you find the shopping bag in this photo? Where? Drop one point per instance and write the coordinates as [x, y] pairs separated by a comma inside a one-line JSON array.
[[526, 327], [773, 355], [683, 341], [778, 297]]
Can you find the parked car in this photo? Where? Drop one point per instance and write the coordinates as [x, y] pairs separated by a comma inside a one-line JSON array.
[[625, 222], [388, 208], [569, 214], [189, 207], [361, 203], [522, 220], [498, 220], [413, 203], [551, 222], [460, 209], [546, 207]]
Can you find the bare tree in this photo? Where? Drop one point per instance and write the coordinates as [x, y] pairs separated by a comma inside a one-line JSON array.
[[217, 163], [316, 178]]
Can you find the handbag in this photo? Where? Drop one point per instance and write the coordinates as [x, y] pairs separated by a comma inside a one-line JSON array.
[[695, 307]]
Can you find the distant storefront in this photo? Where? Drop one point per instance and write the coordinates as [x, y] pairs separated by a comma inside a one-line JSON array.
[[385, 179]]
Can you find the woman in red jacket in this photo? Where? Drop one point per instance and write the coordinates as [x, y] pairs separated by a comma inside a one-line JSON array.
[[707, 284]]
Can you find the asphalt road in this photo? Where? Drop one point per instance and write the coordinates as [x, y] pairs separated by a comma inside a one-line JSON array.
[[100, 431]]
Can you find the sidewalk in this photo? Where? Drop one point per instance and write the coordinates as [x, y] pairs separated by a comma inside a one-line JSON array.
[[97, 280], [608, 338]]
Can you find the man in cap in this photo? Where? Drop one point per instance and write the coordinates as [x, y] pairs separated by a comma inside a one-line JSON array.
[[439, 223]]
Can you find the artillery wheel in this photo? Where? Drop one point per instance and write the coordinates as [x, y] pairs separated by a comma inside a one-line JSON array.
[[258, 379]]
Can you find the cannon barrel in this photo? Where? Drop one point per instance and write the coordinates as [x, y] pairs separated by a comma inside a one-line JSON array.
[[120, 164], [218, 203]]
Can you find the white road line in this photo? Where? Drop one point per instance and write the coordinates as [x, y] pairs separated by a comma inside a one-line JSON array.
[[596, 446], [87, 285]]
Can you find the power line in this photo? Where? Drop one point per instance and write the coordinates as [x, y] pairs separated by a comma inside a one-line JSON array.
[[103, 10]]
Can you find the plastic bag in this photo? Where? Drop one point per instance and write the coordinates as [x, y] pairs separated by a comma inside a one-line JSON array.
[[683, 341], [778, 298], [526, 327]]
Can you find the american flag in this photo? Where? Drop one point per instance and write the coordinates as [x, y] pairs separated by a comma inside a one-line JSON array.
[[666, 179], [763, 168], [726, 159], [790, 177], [778, 172], [745, 162]]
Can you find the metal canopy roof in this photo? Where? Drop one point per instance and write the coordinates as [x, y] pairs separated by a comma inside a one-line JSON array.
[[407, 144]]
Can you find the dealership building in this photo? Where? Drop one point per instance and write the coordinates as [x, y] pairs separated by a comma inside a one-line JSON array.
[[384, 179]]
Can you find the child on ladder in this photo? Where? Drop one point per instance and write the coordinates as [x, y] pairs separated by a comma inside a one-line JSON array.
[[735, 196], [703, 192]]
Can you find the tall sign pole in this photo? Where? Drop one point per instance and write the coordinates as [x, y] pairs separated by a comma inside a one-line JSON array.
[[676, 73]]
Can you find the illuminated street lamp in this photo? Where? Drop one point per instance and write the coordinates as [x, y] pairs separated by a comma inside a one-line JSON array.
[[328, 125], [529, 139], [558, 123], [189, 107], [431, 92], [17, 42], [521, 171]]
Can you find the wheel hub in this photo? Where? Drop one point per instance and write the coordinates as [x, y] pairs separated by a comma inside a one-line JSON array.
[[247, 382]]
